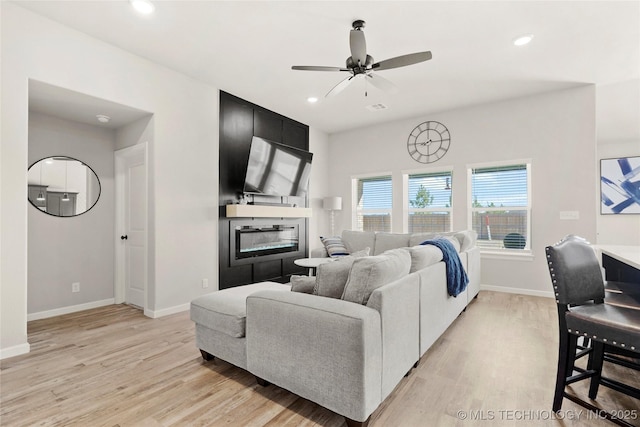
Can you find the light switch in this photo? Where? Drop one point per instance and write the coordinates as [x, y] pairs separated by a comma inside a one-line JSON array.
[[569, 214]]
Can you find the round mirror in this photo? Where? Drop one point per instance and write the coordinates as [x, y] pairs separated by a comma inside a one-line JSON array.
[[62, 186]]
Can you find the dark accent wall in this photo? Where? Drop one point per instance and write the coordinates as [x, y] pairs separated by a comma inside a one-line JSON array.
[[240, 120]]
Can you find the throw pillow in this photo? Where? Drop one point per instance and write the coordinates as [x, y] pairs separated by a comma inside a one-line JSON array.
[[334, 246], [454, 241], [304, 284], [369, 273], [424, 256], [332, 276]]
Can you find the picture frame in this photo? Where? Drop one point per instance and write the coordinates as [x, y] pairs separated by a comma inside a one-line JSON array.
[[620, 186]]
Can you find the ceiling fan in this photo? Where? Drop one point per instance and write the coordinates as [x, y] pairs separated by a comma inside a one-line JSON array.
[[361, 64]]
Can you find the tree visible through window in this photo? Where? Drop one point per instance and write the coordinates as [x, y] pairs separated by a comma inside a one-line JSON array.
[[501, 206], [429, 202], [373, 203]]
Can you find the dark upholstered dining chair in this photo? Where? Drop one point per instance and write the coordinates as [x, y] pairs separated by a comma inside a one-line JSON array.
[[580, 292]]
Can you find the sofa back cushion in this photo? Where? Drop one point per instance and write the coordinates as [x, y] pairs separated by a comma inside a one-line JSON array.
[[358, 240], [424, 256], [369, 273], [387, 241], [467, 239], [331, 277], [417, 238]]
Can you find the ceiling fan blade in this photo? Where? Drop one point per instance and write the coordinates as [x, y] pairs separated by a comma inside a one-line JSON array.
[[382, 83], [317, 68], [339, 87], [358, 46], [402, 61]]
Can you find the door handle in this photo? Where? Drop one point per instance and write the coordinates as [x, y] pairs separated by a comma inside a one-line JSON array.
[[125, 237]]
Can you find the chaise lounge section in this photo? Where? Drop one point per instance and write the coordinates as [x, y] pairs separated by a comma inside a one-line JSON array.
[[346, 353]]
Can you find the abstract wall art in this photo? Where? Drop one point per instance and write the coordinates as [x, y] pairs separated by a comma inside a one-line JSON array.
[[620, 185]]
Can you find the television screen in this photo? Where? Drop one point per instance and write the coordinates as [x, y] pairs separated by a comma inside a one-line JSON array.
[[276, 169]]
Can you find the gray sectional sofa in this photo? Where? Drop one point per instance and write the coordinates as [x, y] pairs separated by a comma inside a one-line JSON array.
[[349, 353]]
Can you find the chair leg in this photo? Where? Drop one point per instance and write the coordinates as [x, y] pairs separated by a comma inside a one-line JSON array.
[[595, 362], [566, 359]]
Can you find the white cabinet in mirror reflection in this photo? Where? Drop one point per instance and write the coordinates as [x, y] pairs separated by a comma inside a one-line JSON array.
[[62, 186]]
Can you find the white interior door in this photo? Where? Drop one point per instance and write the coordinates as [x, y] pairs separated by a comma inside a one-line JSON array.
[[131, 184]]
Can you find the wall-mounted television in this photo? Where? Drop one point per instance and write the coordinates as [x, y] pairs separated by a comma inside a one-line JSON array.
[[276, 169]]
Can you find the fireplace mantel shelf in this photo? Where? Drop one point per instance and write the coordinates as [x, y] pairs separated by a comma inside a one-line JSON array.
[[262, 211]]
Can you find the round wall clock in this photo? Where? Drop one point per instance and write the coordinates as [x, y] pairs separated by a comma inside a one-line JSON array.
[[428, 142]]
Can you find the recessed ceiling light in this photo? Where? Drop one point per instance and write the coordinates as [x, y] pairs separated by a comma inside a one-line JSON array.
[[143, 6], [312, 99], [102, 118], [522, 40]]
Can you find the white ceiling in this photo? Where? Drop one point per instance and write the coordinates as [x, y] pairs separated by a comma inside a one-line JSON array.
[[247, 48]]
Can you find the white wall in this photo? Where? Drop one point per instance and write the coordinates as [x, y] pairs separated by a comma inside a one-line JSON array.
[[74, 249], [555, 130], [183, 157]]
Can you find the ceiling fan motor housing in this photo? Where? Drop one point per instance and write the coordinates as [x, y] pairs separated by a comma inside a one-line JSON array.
[[358, 24], [362, 68]]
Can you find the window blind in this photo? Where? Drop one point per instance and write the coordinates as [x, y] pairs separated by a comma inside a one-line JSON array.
[[375, 193], [504, 186], [372, 210], [430, 190], [500, 206]]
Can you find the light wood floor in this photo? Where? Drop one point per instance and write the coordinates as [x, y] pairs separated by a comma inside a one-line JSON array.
[[114, 367]]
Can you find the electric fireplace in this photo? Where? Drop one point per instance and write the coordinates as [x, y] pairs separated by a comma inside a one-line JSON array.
[[252, 239]]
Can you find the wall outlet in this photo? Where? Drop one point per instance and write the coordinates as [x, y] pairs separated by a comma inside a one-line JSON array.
[[75, 287], [205, 283]]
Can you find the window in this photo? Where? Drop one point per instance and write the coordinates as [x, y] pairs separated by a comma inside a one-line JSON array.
[[429, 202], [501, 206], [373, 202]]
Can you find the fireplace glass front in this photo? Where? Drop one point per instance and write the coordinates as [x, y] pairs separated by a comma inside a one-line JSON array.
[[260, 240]]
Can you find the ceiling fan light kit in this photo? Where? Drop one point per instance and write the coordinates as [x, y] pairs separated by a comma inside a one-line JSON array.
[[362, 64]]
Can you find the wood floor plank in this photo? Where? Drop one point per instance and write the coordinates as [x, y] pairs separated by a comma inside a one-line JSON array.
[[112, 366]]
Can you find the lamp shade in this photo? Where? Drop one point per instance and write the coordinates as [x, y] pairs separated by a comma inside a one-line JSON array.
[[332, 203]]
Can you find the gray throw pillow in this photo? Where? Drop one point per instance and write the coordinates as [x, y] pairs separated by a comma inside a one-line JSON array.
[[332, 276], [424, 256], [369, 273], [304, 284]]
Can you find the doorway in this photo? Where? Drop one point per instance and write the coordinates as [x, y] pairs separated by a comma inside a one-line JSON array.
[[131, 240]]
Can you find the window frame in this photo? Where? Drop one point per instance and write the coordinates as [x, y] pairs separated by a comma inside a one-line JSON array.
[[407, 210], [527, 251], [354, 199]]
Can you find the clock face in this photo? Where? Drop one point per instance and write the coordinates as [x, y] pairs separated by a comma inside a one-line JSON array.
[[428, 142]]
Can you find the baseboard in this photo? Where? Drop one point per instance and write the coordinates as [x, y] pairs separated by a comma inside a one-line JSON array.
[[16, 350], [154, 314], [531, 292], [69, 309]]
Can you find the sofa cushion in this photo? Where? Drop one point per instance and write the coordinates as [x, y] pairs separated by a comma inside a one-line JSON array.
[[332, 276], [304, 284], [226, 310], [467, 239], [416, 238], [424, 256], [358, 240], [452, 239], [369, 273], [386, 241], [334, 246]]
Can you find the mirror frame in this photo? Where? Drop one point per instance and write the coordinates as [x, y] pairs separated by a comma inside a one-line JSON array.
[[72, 159]]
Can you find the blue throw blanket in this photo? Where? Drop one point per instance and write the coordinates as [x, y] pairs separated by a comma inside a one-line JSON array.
[[457, 279]]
